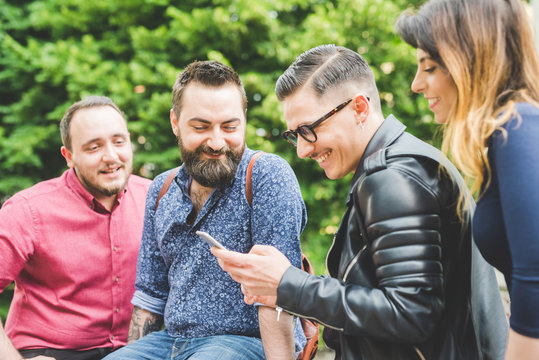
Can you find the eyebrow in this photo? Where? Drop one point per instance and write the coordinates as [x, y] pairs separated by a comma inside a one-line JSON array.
[[423, 58], [209, 122]]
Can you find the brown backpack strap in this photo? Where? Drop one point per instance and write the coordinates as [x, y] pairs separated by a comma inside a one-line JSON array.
[[248, 182], [166, 185]]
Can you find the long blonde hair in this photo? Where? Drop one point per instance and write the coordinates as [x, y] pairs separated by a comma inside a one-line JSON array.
[[487, 48]]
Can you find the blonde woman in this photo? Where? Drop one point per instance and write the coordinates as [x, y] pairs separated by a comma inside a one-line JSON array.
[[479, 70]]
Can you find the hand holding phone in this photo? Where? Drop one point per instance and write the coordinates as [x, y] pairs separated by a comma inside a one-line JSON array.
[[210, 240]]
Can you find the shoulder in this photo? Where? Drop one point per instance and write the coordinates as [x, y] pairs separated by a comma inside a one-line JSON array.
[[406, 186], [409, 158], [520, 132], [527, 109], [159, 181], [136, 181], [43, 189], [269, 163], [526, 119], [403, 178]]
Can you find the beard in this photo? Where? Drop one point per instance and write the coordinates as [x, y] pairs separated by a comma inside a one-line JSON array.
[[211, 173], [99, 187]]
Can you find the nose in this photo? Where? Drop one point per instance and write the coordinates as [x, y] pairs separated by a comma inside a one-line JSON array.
[[216, 140], [304, 148], [418, 84], [110, 154]]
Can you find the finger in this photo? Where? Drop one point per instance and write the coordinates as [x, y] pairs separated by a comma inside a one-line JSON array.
[[230, 257], [262, 249], [249, 300], [244, 290]]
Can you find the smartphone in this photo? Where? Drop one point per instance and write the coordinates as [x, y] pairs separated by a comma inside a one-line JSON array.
[[210, 240]]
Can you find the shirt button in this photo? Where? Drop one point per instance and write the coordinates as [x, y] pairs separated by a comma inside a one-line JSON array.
[[117, 310], [116, 279], [112, 337], [115, 248]]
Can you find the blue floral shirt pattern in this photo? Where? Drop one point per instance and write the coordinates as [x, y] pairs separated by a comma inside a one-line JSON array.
[[177, 275]]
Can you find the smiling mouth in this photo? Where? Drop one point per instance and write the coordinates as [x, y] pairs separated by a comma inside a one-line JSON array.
[[111, 170], [322, 157], [216, 155], [433, 102]]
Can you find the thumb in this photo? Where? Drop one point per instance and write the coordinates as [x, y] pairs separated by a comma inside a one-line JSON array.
[[263, 250]]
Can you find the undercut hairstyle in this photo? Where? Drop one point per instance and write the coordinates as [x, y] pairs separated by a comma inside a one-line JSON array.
[[86, 103], [207, 73], [327, 67], [487, 48]]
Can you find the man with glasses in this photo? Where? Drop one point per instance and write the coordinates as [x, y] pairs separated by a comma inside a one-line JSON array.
[[400, 263], [179, 282]]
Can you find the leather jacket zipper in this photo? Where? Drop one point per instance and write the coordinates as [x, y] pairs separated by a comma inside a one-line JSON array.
[[330, 249], [353, 262], [419, 353], [315, 319]]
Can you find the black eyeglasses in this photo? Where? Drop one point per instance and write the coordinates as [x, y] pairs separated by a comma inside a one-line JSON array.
[[307, 131]]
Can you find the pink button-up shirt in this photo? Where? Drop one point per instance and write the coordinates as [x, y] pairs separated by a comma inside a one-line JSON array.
[[73, 262]]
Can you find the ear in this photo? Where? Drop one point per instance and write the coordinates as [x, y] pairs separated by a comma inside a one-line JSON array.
[[174, 122], [361, 107], [68, 155]]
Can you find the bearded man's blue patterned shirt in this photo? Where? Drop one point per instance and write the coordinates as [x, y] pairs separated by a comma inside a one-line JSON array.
[[178, 277]]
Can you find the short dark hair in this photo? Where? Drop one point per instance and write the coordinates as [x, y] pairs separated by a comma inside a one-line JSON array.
[[208, 73], [326, 67], [88, 102]]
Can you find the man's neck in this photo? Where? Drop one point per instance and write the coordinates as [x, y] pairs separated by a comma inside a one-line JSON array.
[[198, 194]]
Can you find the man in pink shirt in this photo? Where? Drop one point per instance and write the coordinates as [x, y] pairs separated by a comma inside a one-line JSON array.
[[71, 244]]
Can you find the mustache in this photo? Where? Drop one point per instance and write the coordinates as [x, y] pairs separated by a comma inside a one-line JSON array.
[[225, 150]]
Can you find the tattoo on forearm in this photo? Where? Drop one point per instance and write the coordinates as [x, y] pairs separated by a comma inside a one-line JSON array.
[[143, 322]]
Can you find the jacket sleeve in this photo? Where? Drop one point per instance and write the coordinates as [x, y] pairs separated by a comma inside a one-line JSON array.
[[402, 219]]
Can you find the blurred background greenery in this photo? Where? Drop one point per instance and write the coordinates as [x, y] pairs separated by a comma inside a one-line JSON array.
[[54, 52]]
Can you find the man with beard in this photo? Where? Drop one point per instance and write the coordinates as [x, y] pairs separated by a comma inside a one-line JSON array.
[[69, 244], [179, 281]]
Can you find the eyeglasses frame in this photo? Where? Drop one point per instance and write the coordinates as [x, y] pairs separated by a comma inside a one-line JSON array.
[[313, 125]]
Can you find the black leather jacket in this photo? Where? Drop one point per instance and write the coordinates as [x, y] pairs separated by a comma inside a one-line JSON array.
[[400, 264]]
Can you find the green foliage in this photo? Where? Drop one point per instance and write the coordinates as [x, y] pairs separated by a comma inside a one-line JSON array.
[[53, 52]]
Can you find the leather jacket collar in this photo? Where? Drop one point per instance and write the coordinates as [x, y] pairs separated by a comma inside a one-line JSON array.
[[386, 134]]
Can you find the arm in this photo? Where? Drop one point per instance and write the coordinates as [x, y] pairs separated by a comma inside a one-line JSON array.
[[519, 154], [7, 350], [142, 323], [408, 300], [16, 246], [277, 336], [395, 290], [521, 347], [151, 284]]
